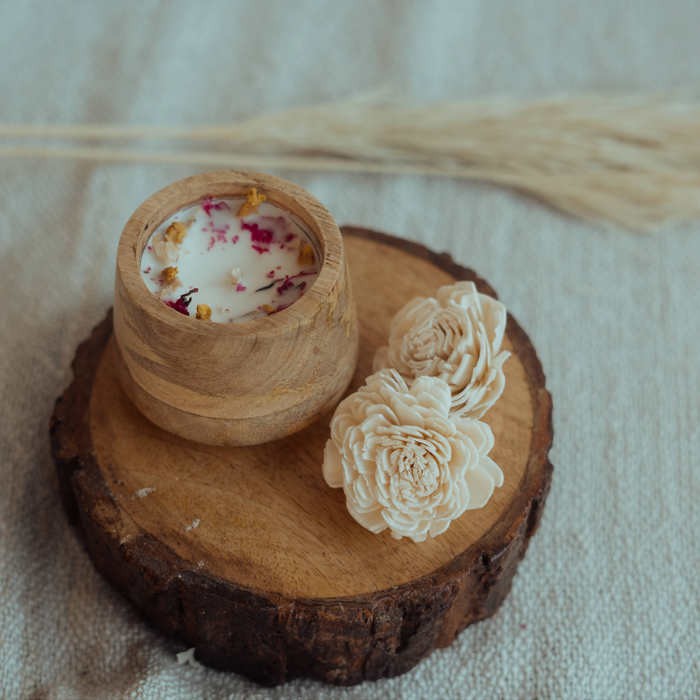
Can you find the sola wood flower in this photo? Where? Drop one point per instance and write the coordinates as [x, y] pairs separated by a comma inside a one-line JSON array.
[[456, 337], [403, 463]]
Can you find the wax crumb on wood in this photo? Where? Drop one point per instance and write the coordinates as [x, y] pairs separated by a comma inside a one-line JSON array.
[[142, 493], [194, 524], [203, 312], [187, 657], [306, 256], [253, 201]]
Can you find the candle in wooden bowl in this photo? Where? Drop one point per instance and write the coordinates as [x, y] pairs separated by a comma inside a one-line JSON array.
[[248, 381], [240, 260]]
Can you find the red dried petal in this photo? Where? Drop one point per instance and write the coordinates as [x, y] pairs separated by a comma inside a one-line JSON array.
[[257, 234], [287, 284], [178, 306], [208, 205]]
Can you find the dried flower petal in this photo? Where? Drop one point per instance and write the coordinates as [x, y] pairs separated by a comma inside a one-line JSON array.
[[253, 201], [169, 274], [306, 255], [257, 234], [176, 232], [178, 305], [208, 204], [203, 312], [287, 284]]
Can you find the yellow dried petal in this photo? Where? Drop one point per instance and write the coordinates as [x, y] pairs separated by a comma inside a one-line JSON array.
[[176, 232], [253, 201], [306, 255], [169, 274], [203, 312], [268, 308]]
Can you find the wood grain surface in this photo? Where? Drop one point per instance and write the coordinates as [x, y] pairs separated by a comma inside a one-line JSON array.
[[234, 383], [277, 580]]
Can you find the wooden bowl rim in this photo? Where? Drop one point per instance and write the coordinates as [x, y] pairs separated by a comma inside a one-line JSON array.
[[233, 184]]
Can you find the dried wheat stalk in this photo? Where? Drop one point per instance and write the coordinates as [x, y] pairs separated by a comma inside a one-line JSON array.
[[633, 161]]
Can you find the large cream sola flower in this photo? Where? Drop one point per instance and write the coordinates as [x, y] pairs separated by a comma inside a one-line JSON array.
[[403, 462], [456, 337]]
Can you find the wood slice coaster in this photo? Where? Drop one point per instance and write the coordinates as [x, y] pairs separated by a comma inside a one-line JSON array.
[[277, 580]]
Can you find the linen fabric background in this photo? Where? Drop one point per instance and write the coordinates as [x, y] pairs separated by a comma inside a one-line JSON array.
[[606, 603]]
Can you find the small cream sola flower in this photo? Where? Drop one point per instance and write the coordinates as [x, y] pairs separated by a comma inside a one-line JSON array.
[[456, 337], [403, 462]]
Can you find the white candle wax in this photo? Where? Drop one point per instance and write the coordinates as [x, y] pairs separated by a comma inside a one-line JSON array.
[[243, 267]]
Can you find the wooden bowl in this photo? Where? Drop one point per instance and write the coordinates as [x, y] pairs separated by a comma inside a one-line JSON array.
[[234, 383]]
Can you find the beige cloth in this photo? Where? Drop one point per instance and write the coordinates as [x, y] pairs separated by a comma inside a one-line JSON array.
[[606, 603]]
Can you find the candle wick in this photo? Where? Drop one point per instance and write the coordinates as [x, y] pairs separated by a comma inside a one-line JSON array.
[[184, 299]]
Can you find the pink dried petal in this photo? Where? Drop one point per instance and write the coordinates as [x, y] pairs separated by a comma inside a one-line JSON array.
[[287, 284], [178, 306], [257, 234], [240, 287], [208, 205], [259, 249]]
